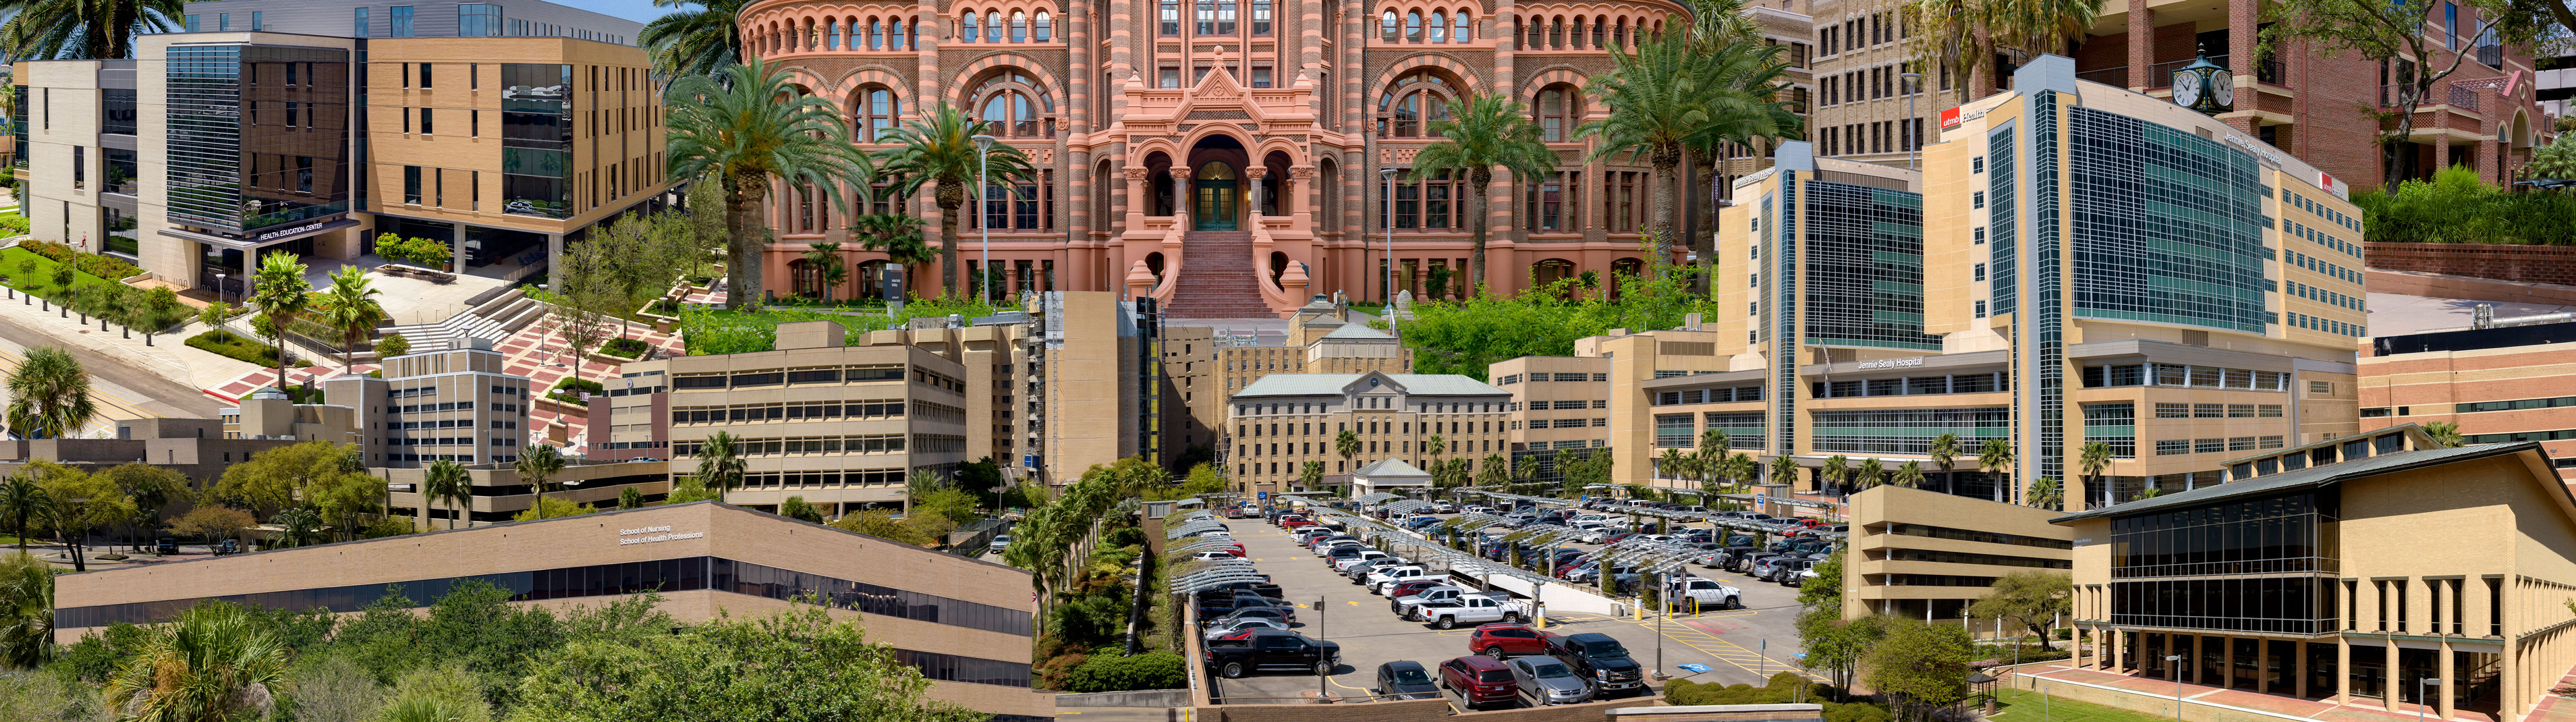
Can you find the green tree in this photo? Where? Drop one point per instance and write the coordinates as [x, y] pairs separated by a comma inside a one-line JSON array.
[[939, 148], [27, 601], [1909, 476], [1311, 474], [795, 507], [1967, 35], [443, 693], [630, 498], [1836, 470], [812, 668], [2032, 598], [720, 466], [298, 527], [2093, 460], [1996, 456], [22, 499], [2407, 35], [1945, 453], [82, 503], [1837, 645], [2558, 158], [49, 395], [274, 479], [210, 523], [1347, 444], [1480, 133], [746, 133], [212, 665], [885, 524], [825, 259], [2445, 434], [1784, 470], [150, 488], [2046, 493], [700, 41], [1919, 667], [537, 466], [346, 499], [1871, 473], [350, 306], [84, 29], [1681, 95], [279, 292], [446, 482], [553, 508], [898, 236]]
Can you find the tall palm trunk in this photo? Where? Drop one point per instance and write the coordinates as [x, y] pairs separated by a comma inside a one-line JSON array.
[[1477, 202], [742, 252], [1704, 176], [1666, 164], [951, 196]]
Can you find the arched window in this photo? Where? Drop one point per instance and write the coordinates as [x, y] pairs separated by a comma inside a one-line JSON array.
[[1578, 32], [1413, 27], [972, 29], [1537, 35], [1225, 17], [1046, 26], [1261, 17], [896, 38], [1599, 25], [1019, 26], [1439, 27], [1014, 103], [878, 112], [1556, 34], [1556, 112], [1207, 17], [876, 35], [1619, 33], [1386, 27], [1411, 103], [832, 35], [993, 26], [1458, 32]]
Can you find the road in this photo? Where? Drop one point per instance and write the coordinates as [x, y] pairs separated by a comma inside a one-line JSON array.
[[121, 389]]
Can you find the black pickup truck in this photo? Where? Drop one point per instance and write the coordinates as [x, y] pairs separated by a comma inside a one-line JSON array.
[[1601, 661], [1228, 590], [1272, 650]]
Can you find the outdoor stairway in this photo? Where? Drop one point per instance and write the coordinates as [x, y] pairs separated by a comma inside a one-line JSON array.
[[1217, 278], [492, 321]]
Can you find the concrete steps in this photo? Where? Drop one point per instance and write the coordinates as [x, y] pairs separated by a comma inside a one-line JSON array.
[[1217, 278]]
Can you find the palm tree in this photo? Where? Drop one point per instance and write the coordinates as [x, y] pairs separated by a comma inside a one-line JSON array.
[[536, 466], [2093, 460], [1871, 472], [1836, 470], [747, 133], [694, 42], [825, 259], [446, 482], [1996, 456], [1945, 452], [1970, 33], [939, 148], [49, 395], [2046, 494], [279, 292], [1680, 94], [215, 663], [1784, 470], [1670, 465], [350, 306], [720, 464], [21, 497], [897, 235], [1909, 476], [84, 29], [298, 526], [1311, 475], [1484, 132], [27, 600], [1435, 447], [1740, 468], [2445, 434], [1347, 444]]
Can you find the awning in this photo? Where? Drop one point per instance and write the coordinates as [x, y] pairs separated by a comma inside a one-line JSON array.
[[265, 238]]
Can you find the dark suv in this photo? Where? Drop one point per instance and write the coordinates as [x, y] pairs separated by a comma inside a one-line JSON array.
[[1601, 661]]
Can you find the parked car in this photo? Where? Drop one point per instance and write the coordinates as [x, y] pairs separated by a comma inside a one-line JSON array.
[[1787, 574], [1212, 554], [1001, 543], [1599, 660], [1272, 650], [1261, 588], [1215, 632], [1442, 507], [1360, 571], [1545, 681], [1410, 587], [1707, 592], [1479, 681], [1285, 615], [1212, 608], [1404, 680], [166, 546], [228, 547], [1470, 609], [1501, 640], [1384, 577]]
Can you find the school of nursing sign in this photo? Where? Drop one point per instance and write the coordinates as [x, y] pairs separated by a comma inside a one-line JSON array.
[[651, 534]]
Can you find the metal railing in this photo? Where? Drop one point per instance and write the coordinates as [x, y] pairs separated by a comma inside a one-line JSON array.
[[2464, 98], [2115, 77]]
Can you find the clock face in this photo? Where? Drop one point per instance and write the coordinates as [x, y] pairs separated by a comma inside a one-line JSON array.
[[2222, 90], [2186, 88]]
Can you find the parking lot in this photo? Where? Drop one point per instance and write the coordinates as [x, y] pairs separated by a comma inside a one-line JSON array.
[[1736, 646]]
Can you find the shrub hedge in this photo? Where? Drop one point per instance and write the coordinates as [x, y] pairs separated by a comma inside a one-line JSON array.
[[1158, 669], [233, 345]]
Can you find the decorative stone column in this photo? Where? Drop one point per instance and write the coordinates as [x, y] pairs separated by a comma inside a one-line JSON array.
[[1181, 205], [1253, 175]]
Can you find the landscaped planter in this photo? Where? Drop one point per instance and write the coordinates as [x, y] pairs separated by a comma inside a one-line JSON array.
[[565, 410]]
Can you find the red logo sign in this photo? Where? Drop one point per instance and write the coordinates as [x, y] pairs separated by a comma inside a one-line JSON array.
[[1949, 118]]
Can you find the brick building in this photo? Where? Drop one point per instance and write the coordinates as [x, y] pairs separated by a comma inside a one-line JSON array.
[[2497, 384]]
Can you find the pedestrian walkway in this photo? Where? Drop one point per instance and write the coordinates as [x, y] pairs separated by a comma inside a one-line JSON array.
[[165, 354], [535, 352], [2162, 691]]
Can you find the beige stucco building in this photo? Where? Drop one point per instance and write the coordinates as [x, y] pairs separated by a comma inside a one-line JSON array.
[[1927, 555], [1284, 421]]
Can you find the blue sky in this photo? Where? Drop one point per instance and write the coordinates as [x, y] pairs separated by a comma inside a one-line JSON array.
[[641, 11]]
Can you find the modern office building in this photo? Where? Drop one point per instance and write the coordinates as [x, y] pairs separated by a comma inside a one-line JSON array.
[[2306, 575], [267, 413], [2496, 384], [842, 426], [460, 405], [1927, 555], [633, 420], [1283, 421], [499, 494], [411, 19], [1865, 108], [1558, 404], [966, 624], [210, 148]]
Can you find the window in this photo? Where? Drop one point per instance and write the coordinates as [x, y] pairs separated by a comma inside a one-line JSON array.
[[972, 27], [1046, 27], [424, 76], [1557, 112], [1411, 103], [878, 112], [1413, 27], [223, 21], [1439, 27], [1386, 27], [424, 122], [478, 20], [255, 23], [1458, 28], [1171, 24], [402, 21], [1977, 199], [80, 166], [1010, 114], [411, 184], [1225, 17], [1019, 26]]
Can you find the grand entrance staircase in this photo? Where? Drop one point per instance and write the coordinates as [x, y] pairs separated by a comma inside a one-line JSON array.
[[491, 320], [1217, 278]]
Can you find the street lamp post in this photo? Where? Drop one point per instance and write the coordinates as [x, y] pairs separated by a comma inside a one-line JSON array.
[[1914, 85], [984, 147], [2173, 666], [2420, 701], [1388, 208]]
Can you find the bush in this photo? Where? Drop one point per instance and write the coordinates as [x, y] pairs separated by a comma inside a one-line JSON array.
[[2457, 206], [108, 267], [624, 347], [569, 390], [233, 345], [393, 344], [1151, 670]]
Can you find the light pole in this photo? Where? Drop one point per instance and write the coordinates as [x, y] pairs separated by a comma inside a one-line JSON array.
[[1389, 209], [983, 147], [1914, 85], [2173, 666], [2420, 701]]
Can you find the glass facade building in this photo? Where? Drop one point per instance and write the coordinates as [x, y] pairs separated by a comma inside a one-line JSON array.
[[1864, 267], [257, 136], [2172, 230], [536, 139]]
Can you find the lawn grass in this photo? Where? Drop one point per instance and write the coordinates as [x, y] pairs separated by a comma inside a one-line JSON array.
[[2026, 706], [37, 278], [234, 346]]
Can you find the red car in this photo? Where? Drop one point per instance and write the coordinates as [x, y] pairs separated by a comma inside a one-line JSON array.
[[1296, 522], [1501, 639], [1479, 681], [1410, 588]]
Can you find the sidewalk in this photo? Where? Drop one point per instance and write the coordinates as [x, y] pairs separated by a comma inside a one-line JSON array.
[[168, 355], [2239, 700]]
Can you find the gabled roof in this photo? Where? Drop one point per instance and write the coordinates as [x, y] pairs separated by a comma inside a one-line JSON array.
[[1339, 384], [1391, 467], [2309, 478]]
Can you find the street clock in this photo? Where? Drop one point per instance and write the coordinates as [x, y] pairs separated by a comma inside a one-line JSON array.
[[2204, 86]]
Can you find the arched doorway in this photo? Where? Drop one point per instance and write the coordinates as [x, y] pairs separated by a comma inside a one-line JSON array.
[[1217, 197]]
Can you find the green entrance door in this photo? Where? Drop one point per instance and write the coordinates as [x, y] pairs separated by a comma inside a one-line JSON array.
[[1214, 209]]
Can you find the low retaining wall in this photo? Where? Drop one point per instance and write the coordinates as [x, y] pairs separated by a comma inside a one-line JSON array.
[[1132, 698], [2438, 285], [2149, 703], [2520, 264]]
